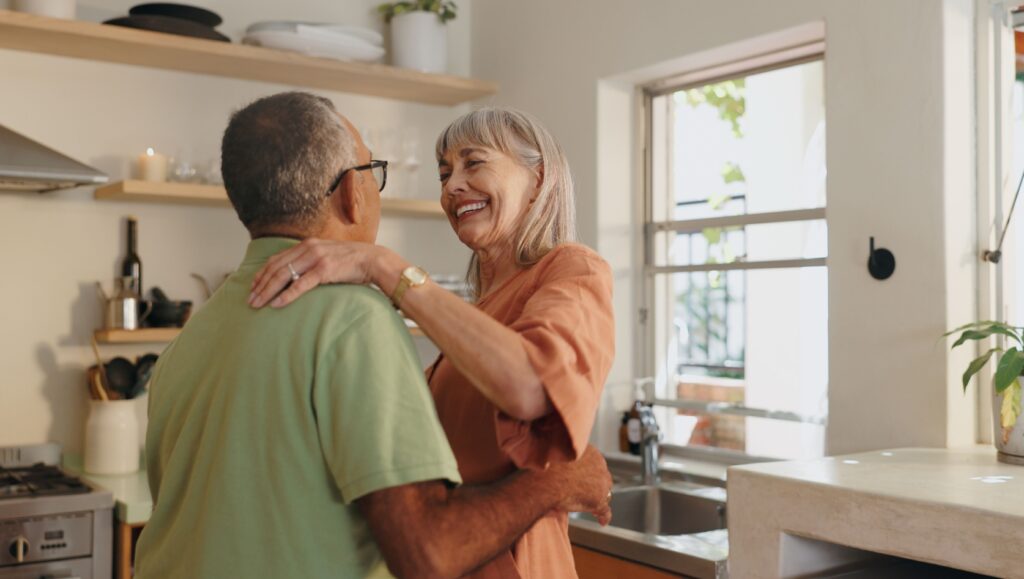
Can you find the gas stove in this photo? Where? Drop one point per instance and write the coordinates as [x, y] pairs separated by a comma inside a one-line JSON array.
[[38, 480], [51, 524]]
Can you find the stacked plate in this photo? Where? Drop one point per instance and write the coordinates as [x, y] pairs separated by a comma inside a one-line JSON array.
[[337, 41]]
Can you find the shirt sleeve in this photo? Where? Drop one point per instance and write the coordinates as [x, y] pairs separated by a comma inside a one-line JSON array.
[[377, 423], [568, 330]]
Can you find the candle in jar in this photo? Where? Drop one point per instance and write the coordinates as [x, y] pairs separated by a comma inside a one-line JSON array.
[[152, 166]]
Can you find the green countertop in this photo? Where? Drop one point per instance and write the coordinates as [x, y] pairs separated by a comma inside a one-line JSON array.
[[133, 502]]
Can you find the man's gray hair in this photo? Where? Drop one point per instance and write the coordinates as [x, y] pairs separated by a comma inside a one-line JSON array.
[[279, 155]]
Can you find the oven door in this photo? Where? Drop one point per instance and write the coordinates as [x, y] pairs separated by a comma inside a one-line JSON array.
[[67, 569]]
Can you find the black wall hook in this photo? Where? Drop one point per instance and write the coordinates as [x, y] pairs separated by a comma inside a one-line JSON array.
[[881, 262]]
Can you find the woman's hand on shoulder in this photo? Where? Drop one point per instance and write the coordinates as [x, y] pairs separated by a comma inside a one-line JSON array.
[[316, 262]]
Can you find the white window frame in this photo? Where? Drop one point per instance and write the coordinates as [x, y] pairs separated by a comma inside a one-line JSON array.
[[994, 54], [807, 50]]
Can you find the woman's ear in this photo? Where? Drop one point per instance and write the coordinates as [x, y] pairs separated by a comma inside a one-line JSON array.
[[538, 184]]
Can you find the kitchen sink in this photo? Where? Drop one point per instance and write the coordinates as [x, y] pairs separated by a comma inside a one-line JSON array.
[[661, 511], [675, 526]]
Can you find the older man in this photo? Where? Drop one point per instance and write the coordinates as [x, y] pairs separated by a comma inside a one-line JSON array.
[[302, 442]]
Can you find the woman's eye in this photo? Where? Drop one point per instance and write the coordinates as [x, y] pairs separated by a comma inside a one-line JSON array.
[[444, 176], [473, 162]]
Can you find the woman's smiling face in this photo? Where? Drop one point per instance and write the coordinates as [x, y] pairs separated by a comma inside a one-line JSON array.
[[485, 194]]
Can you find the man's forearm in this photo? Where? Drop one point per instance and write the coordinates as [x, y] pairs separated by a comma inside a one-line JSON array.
[[473, 525], [426, 530], [476, 523]]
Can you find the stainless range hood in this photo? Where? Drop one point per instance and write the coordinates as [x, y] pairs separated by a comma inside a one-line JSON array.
[[26, 165]]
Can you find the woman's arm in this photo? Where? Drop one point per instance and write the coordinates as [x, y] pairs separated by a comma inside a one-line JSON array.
[[485, 351], [489, 354]]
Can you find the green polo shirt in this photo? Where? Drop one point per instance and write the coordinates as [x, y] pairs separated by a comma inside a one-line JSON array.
[[265, 425]]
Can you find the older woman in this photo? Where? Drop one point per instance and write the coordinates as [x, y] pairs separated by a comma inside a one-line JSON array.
[[521, 371]]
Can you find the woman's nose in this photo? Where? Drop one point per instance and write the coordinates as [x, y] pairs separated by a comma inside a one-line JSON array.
[[455, 183]]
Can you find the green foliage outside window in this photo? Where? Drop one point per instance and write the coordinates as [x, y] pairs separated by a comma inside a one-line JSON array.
[[705, 304]]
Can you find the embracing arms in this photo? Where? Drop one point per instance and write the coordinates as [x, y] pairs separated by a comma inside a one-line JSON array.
[[428, 530], [490, 355]]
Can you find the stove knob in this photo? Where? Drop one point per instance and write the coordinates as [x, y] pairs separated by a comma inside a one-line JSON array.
[[19, 549]]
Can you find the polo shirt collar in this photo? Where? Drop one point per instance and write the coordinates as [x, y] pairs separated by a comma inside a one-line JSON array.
[[262, 249]]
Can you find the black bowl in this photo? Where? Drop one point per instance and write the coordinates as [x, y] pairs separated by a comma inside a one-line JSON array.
[[168, 25], [183, 11], [169, 314]]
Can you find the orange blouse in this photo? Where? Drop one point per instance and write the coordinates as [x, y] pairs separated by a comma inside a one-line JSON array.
[[562, 309]]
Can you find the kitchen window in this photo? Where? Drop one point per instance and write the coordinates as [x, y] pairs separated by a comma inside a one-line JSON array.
[[735, 283]]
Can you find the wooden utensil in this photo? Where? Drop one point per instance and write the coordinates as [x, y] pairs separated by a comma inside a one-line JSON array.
[[96, 389], [100, 365]]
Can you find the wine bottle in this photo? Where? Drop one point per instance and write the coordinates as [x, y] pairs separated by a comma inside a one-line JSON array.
[[131, 266]]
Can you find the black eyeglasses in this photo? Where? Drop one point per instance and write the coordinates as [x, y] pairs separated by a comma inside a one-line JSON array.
[[380, 173]]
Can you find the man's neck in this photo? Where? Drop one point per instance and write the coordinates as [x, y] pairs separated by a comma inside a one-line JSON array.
[[331, 231]]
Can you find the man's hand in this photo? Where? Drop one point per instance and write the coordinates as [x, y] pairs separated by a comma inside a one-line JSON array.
[[587, 485]]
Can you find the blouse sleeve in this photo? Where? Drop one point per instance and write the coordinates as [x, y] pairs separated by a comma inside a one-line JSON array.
[[567, 327]]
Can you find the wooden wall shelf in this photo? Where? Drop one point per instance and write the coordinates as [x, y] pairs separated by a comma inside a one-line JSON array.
[[92, 41], [141, 336], [164, 192], [215, 196]]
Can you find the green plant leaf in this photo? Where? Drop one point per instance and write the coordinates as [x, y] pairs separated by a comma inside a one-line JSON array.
[[978, 325], [1010, 409], [715, 202], [985, 333], [1010, 365], [712, 234], [732, 173], [977, 364]]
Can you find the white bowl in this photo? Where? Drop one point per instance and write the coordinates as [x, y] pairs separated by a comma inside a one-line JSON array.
[[371, 36], [332, 46]]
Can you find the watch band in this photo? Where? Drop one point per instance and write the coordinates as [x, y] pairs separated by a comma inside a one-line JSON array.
[[411, 277]]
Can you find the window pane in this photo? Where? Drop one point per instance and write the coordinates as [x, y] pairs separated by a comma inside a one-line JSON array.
[[757, 338], [752, 144], [760, 242], [754, 436]]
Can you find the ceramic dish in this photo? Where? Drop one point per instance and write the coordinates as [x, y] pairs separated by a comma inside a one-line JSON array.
[[182, 11], [168, 25], [326, 45], [371, 36]]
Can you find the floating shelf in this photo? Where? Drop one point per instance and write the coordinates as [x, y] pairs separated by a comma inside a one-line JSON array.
[[211, 195], [164, 192], [141, 336], [92, 41]]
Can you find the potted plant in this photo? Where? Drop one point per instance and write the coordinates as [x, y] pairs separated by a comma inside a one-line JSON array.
[[1006, 408], [418, 34]]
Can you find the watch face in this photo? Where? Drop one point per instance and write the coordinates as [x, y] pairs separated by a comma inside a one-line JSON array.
[[415, 275]]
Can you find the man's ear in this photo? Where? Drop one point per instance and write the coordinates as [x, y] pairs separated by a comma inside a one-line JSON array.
[[350, 200]]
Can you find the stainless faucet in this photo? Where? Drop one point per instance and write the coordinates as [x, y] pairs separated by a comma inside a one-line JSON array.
[[650, 436]]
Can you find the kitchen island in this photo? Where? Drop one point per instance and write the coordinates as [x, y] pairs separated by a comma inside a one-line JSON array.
[[957, 509]]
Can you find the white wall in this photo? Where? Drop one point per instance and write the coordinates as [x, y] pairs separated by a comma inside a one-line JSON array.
[[53, 247], [899, 146]]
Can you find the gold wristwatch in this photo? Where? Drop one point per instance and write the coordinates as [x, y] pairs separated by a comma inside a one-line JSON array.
[[411, 277]]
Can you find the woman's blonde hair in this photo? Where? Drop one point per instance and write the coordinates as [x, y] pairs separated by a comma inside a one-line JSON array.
[[551, 219]]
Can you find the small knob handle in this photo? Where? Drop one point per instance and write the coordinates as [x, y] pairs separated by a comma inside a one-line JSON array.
[[881, 262], [19, 549]]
